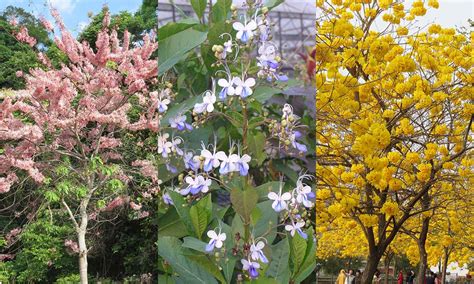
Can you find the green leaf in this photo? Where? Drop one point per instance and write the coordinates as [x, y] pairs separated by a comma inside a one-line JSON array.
[[297, 252], [220, 10], [273, 3], [255, 216], [172, 28], [199, 7], [174, 48], [264, 189], [51, 196], [309, 262], [264, 93], [256, 143], [279, 265], [204, 262], [195, 244], [201, 215], [266, 224], [183, 211], [171, 224], [244, 201], [170, 248], [263, 280]]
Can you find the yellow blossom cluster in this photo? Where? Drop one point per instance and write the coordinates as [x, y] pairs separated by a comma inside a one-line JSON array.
[[394, 128]]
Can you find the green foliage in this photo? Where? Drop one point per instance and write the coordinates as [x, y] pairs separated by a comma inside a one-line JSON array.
[[43, 251], [72, 278], [14, 55], [174, 47], [199, 7]]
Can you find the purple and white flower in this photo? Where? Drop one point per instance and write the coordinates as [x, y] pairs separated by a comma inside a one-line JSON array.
[[279, 200], [256, 252], [167, 199], [164, 146], [292, 228], [244, 87], [242, 165], [251, 267], [245, 31], [207, 104], [228, 163], [196, 185], [304, 194], [227, 88], [179, 122], [211, 159], [191, 162], [216, 240]]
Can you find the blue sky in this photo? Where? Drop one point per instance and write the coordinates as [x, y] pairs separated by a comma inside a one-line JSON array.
[[73, 12]]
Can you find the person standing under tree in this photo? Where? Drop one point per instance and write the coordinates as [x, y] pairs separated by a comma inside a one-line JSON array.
[[400, 277], [341, 278], [350, 276], [410, 277]]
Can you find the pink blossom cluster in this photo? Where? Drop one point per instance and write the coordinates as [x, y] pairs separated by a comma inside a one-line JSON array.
[[10, 237], [72, 245], [116, 202], [147, 169], [23, 36], [79, 109]]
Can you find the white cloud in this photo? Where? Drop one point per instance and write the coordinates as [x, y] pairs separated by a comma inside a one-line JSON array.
[[63, 6]]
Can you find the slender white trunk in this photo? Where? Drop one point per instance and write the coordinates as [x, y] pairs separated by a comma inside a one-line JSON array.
[[81, 237]]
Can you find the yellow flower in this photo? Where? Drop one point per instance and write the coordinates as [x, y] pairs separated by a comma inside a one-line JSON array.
[[424, 172], [390, 208], [401, 31], [433, 3], [347, 176], [394, 157], [395, 184], [413, 157]]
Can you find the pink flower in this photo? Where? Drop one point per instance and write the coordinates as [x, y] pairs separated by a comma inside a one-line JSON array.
[[72, 245], [147, 169], [19, 73], [46, 24], [6, 183], [135, 206]]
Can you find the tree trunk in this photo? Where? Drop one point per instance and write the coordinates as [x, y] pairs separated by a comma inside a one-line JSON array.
[[445, 265], [370, 268], [422, 251], [81, 236]]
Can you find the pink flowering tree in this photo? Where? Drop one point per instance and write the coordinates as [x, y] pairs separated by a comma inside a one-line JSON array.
[[67, 130]]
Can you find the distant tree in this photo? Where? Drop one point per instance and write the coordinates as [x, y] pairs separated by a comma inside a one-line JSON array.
[[18, 56], [144, 19]]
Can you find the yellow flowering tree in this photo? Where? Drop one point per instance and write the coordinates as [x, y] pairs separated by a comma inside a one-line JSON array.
[[395, 113]]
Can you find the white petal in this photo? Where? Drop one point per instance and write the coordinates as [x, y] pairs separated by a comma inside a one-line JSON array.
[[252, 25], [223, 83], [250, 82], [221, 156], [238, 26], [245, 264], [212, 234], [273, 196], [286, 196]]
